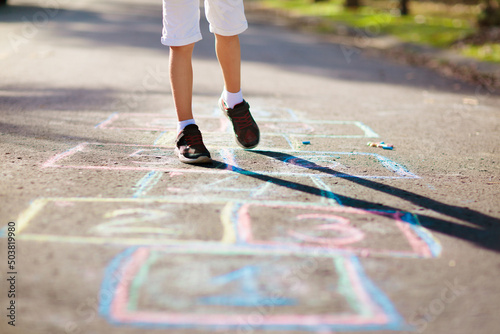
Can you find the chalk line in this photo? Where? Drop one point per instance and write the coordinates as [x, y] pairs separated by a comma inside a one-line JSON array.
[[51, 162], [229, 236], [147, 183], [107, 121]]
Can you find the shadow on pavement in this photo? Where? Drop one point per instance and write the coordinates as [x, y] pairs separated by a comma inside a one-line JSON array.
[[38, 134], [33, 98], [123, 24], [486, 234], [17, 13], [42, 103]]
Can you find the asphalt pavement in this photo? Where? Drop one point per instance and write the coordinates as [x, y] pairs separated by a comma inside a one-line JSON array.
[[103, 230]]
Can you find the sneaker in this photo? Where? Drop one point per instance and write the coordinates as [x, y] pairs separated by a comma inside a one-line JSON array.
[[246, 130], [190, 148]]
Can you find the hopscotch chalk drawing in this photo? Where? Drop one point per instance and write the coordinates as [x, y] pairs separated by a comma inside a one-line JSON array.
[[243, 253]]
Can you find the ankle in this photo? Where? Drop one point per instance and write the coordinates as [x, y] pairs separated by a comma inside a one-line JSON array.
[[182, 124], [232, 99]]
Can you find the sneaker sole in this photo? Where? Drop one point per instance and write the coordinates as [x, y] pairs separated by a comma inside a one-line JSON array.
[[200, 160], [221, 106]]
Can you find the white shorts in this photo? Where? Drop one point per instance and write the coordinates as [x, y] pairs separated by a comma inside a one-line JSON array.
[[181, 20]]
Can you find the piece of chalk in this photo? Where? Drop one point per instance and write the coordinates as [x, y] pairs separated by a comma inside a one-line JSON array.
[[306, 142], [381, 145]]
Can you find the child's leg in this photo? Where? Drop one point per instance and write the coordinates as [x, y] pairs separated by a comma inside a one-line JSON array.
[[231, 102], [181, 80], [189, 143], [229, 56], [180, 31]]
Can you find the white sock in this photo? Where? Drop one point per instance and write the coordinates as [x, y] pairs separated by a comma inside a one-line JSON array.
[[232, 99], [182, 124]]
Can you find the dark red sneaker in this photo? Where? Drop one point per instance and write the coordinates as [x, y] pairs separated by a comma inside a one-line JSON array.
[[246, 130], [190, 148]]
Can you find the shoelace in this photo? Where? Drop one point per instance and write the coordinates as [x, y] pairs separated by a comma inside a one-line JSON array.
[[243, 121], [194, 139]]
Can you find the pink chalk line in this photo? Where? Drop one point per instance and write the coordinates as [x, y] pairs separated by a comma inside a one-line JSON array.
[[51, 162]]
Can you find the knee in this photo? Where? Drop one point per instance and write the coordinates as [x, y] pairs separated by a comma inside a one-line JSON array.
[[227, 38], [182, 49]]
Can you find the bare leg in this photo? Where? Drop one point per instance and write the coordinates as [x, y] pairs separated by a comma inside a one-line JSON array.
[[229, 55], [181, 80]]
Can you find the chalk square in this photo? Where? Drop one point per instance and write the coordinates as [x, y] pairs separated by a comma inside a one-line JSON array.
[[236, 187], [164, 288], [228, 160], [125, 221], [315, 164], [320, 230]]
